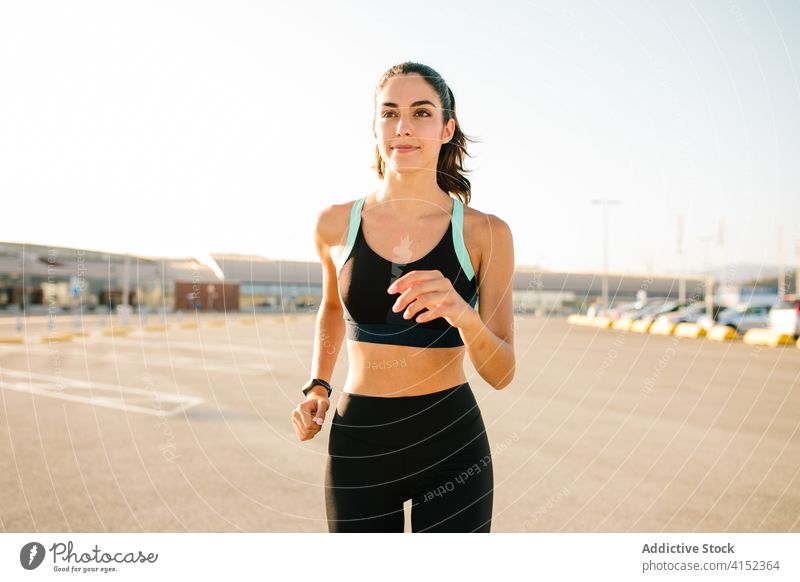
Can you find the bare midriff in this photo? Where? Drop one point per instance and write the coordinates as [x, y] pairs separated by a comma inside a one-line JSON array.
[[391, 371]]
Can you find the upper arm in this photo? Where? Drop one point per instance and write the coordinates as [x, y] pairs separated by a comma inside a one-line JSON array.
[[495, 278], [325, 236]]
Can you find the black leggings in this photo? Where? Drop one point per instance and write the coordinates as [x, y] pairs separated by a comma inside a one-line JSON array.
[[432, 449]]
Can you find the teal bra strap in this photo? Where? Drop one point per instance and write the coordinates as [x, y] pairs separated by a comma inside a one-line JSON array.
[[355, 220], [458, 239]]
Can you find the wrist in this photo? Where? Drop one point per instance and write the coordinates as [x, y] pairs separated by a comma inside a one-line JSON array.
[[317, 384], [472, 324], [319, 391]]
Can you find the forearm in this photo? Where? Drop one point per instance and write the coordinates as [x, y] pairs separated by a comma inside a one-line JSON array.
[[492, 356], [328, 337]]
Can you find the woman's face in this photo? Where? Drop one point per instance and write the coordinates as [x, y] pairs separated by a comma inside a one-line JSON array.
[[408, 112]]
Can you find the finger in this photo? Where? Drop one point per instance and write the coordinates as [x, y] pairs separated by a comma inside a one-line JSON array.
[[298, 428], [428, 315], [428, 301], [440, 310], [303, 433], [419, 289], [402, 283], [321, 410], [305, 414]]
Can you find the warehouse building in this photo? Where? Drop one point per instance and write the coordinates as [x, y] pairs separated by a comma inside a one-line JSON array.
[[40, 279]]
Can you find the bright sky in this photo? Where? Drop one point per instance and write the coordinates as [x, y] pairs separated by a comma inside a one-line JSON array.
[[170, 128]]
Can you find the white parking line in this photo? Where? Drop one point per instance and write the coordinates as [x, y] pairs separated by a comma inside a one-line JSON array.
[[201, 346], [172, 362], [113, 395]]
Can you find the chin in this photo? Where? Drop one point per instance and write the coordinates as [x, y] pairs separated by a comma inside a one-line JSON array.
[[406, 169]]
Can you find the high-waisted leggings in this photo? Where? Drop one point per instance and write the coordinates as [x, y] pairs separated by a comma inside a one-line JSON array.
[[431, 449]]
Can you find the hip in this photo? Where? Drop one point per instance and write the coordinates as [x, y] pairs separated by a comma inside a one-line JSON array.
[[442, 418]]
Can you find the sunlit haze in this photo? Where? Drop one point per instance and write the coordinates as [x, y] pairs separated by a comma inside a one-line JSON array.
[[170, 129]]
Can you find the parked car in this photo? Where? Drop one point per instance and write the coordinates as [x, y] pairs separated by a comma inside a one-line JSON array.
[[619, 311], [741, 317], [664, 308], [691, 313], [784, 317], [636, 309], [651, 309]]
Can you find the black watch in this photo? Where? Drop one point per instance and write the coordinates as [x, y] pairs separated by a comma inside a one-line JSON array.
[[316, 382]]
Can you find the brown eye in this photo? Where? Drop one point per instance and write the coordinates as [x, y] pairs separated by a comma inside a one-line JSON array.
[[425, 111]]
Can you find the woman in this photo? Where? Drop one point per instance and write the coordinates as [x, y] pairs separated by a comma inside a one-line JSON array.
[[407, 425]]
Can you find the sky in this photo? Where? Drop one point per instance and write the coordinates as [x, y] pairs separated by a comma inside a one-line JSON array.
[[177, 128]]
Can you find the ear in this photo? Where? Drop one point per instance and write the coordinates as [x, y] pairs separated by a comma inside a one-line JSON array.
[[448, 130]]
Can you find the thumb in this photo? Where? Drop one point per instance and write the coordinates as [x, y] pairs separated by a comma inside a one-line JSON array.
[[322, 408]]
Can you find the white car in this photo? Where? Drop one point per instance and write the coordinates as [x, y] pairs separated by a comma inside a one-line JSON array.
[[689, 314], [743, 317], [784, 317]]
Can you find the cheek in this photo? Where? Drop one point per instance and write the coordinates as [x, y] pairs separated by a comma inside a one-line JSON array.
[[382, 133]]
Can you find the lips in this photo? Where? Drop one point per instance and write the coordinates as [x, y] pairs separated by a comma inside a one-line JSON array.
[[405, 148]]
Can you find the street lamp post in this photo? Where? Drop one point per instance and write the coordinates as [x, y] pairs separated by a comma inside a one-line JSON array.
[[709, 288], [605, 202]]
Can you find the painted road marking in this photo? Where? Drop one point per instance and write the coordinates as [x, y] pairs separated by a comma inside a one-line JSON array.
[[105, 395], [172, 362]]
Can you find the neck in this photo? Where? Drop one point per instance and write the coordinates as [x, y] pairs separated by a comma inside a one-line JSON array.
[[412, 194]]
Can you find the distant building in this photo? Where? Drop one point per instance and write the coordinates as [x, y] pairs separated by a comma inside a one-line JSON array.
[[46, 278]]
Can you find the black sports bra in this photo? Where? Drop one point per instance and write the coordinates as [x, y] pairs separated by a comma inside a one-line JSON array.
[[363, 277]]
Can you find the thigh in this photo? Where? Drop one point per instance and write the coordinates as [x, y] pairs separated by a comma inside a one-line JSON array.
[[454, 489], [363, 485]]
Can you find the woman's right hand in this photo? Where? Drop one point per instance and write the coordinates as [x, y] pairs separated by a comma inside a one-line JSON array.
[[309, 415]]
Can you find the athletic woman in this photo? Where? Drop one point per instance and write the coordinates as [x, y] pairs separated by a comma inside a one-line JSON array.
[[403, 271]]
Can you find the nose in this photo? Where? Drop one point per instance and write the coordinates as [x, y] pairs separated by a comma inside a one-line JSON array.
[[403, 126]]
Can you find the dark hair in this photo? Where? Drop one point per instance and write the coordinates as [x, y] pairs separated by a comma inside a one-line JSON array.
[[449, 169]]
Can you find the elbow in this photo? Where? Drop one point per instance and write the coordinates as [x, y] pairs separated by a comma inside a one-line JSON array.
[[506, 379], [502, 383]]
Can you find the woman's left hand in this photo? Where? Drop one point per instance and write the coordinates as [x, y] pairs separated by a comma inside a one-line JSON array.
[[432, 290]]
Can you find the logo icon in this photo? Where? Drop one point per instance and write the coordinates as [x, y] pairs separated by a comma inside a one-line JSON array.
[[31, 555]]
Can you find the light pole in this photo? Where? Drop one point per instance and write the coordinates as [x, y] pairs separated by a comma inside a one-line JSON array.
[[605, 202], [781, 270], [709, 291], [682, 278]]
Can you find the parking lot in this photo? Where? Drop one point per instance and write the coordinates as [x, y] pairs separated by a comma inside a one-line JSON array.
[[188, 429]]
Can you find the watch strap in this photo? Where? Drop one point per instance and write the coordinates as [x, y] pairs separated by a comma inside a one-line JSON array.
[[317, 382]]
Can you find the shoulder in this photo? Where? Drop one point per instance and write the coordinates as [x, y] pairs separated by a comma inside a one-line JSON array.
[[486, 234], [332, 223]]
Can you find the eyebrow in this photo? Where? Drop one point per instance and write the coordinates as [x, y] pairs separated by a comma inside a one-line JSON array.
[[414, 104]]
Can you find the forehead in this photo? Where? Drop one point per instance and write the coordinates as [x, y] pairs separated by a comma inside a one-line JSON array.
[[406, 89]]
